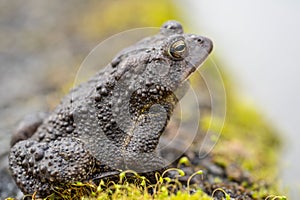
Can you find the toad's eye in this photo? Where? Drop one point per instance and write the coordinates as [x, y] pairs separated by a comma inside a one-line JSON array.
[[177, 50]]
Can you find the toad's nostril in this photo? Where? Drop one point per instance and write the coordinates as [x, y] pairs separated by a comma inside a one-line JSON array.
[[199, 40]]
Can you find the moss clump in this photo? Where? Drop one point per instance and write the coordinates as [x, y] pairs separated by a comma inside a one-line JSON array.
[[129, 186]]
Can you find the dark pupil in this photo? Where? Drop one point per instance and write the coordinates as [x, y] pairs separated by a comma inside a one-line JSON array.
[[180, 47]]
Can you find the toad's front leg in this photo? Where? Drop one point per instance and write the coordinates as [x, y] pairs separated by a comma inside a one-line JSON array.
[[140, 148]]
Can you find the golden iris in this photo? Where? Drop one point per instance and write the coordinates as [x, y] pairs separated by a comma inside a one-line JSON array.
[[177, 50]]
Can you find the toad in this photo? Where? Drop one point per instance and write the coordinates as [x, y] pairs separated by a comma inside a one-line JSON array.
[[113, 121]]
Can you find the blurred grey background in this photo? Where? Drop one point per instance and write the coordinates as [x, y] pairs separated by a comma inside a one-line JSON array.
[[259, 43]]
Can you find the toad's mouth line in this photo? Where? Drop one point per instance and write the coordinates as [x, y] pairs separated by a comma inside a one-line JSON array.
[[193, 66]]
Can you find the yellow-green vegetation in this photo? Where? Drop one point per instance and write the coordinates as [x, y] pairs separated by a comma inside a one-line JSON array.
[[247, 140], [129, 187]]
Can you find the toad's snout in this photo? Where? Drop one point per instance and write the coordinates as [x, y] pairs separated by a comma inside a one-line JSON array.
[[204, 42]]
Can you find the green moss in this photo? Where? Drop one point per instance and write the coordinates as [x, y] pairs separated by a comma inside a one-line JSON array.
[[128, 189], [255, 144], [247, 140]]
